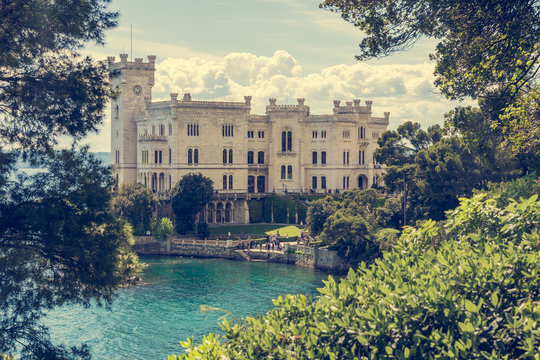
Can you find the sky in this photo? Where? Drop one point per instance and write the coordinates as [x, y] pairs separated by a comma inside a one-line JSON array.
[[287, 49]]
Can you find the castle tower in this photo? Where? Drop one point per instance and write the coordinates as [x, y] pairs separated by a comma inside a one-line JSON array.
[[133, 82]]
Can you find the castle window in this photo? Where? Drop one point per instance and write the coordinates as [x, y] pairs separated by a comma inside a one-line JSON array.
[[227, 130], [250, 133], [196, 156], [323, 182], [346, 134], [230, 156], [170, 156], [283, 171], [190, 156], [345, 182], [361, 132], [260, 157], [193, 129], [345, 158], [230, 182], [313, 182], [160, 156], [314, 134], [289, 172], [314, 157], [155, 157], [224, 182], [250, 157], [361, 157], [224, 156], [289, 140], [161, 130], [117, 156], [283, 141], [170, 129], [323, 157], [323, 134], [261, 134], [170, 182]]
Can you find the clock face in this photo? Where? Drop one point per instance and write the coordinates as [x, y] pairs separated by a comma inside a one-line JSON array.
[[137, 89]]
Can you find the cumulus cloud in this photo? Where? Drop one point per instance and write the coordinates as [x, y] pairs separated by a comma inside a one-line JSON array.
[[406, 90]]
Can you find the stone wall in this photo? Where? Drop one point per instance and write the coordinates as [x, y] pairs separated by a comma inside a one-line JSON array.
[[321, 259]]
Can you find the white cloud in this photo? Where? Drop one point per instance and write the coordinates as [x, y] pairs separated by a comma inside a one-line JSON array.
[[405, 90]]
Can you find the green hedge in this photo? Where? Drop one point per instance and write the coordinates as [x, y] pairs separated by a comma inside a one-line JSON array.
[[469, 290]]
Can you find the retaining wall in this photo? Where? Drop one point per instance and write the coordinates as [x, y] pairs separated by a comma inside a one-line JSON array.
[[321, 259]]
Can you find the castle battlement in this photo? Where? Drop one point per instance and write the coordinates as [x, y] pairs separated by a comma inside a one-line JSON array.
[[137, 64]]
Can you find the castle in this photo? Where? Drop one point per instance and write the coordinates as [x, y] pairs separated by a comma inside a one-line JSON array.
[[286, 150]]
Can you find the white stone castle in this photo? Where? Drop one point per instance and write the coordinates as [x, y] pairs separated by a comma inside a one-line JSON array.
[[286, 150]]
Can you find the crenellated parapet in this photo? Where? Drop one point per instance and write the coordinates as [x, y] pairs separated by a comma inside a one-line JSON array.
[[300, 107], [137, 64]]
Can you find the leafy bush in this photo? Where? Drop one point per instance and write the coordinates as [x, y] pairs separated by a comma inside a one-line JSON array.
[[162, 228], [468, 290], [202, 230]]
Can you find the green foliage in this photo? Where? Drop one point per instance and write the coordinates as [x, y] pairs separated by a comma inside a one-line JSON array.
[[499, 62], [386, 238], [189, 196], [279, 209], [255, 211], [202, 230], [318, 212], [348, 223], [475, 295], [137, 205], [162, 228], [60, 243], [520, 188]]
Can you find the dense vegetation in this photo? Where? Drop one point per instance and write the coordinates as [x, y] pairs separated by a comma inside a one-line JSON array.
[[189, 196], [465, 288], [137, 204], [60, 242]]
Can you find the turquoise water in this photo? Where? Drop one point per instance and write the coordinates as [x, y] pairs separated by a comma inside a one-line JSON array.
[[148, 321]]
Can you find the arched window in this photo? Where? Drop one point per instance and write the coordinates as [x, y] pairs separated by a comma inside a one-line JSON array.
[[224, 156], [251, 184], [323, 182], [224, 182], [283, 171], [260, 157], [314, 182], [289, 172], [170, 156], [283, 141], [230, 182], [196, 156], [250, 157], [230, 156], [289, 140], [190, 156]]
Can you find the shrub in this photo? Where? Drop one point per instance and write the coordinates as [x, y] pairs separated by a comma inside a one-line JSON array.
[[473, 295], [162, 228], [202, 230]]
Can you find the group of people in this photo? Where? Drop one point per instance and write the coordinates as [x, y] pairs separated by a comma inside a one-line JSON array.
[[304, 239]]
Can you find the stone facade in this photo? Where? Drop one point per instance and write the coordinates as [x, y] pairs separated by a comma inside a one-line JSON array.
[[286, 150]]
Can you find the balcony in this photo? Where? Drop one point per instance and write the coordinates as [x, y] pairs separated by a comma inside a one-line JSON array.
[[286, 153], [150, 138], [363, 142]]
